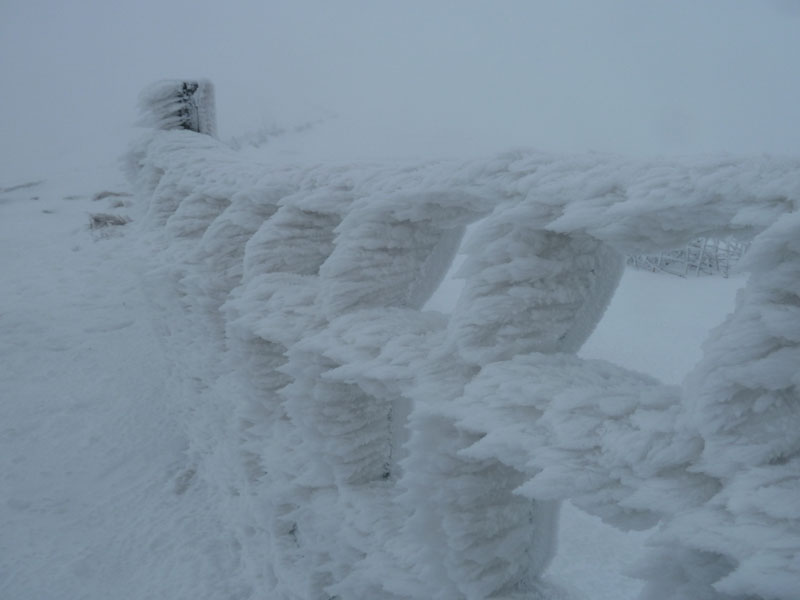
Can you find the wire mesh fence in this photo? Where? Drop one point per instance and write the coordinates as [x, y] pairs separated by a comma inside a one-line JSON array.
[[702, 256]]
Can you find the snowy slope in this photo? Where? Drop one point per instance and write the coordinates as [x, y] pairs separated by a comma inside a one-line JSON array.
[[96, 500]]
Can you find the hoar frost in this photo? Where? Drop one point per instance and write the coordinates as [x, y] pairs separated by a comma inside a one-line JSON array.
[[377, 450]]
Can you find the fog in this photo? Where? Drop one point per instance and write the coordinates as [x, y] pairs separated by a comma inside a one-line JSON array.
[[413, 79]]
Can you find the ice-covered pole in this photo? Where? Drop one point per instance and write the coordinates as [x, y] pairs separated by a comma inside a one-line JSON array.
[[179, 104]]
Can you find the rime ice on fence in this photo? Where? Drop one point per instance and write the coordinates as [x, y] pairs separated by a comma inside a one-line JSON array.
[[702, 256], [379, 451], [179, 104], [744, 400]]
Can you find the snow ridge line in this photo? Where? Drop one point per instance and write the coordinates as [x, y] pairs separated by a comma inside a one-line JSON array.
[[309, 280]]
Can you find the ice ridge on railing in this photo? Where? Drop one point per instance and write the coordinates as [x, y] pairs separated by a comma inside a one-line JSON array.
[[377, 450]]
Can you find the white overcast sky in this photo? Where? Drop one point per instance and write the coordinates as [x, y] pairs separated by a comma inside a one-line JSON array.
[[410, 78]]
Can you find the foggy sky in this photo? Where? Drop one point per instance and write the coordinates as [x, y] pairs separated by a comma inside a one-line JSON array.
[[408, 79]]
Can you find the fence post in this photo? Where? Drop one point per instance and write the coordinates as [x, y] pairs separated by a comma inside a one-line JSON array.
[[179, 104]]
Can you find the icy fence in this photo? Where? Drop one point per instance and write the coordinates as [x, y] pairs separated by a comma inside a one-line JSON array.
[[702, 256], [176, 104], [371, 449]]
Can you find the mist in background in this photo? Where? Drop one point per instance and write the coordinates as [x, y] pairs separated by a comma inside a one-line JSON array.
[[415, 79]]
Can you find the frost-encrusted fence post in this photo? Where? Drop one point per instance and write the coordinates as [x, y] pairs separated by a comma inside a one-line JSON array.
[[743, 401], [526, 291], [180, 104], [376, 450]]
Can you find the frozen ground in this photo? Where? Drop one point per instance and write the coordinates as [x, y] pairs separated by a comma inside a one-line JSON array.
[[97, 499]]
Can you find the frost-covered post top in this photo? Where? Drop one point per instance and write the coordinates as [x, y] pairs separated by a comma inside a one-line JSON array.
[[179, 104]]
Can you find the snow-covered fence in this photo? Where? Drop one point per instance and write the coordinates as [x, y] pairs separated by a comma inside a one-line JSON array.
[[377, 450], [180, 104], [702, 256]]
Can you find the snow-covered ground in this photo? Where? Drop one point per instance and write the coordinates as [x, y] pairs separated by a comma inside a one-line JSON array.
[[98, 498], [91, 455]]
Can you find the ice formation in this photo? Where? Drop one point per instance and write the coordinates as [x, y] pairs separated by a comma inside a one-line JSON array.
[[378, 450]]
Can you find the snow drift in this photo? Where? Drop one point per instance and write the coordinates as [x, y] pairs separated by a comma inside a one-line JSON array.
[[377, 450]]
